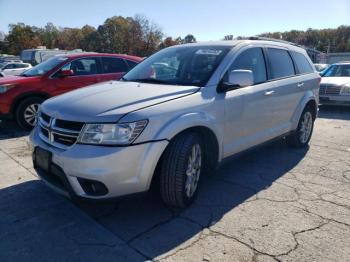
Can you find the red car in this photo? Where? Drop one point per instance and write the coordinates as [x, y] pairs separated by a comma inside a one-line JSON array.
[[21, 96]]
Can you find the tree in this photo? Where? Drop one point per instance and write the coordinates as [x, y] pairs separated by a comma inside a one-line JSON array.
[[151, 35], [21, 37], [49, 35], [90, 39], [168, 42], [326, 40], [189, 39]]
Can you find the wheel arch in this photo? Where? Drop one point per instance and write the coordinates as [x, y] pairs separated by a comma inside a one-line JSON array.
[[209, 141], [21, 97], [309, 100]]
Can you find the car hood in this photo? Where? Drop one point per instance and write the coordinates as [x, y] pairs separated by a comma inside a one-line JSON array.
[[338, 81], [17, 79], [109, 101]]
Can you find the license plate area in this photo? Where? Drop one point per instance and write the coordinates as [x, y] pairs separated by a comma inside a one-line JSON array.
[[42, 159]]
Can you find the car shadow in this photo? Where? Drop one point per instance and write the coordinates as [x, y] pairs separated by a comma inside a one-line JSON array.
[[9, 129], [154, 229], [33, 219], [334, 112]]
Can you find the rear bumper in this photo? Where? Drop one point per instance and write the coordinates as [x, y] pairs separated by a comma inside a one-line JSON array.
[[122, 170], [335, 100]]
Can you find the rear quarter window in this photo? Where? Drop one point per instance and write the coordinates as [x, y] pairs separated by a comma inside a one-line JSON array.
[[302, 63], [281, 63], [131, 64]]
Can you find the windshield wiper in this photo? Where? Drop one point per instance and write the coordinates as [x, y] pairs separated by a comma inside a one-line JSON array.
[[149, 80]]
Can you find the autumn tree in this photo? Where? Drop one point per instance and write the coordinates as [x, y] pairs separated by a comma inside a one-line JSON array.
[[21, 37]]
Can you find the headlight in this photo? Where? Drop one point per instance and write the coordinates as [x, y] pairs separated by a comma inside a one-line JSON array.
[[112, 134], [346, 90], [6, 87]]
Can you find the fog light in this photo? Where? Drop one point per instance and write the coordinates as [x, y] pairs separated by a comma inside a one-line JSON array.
[[93, 187]]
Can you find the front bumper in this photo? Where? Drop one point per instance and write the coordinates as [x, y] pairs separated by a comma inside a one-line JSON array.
[[335, 100], [5, 112], [123, 170]]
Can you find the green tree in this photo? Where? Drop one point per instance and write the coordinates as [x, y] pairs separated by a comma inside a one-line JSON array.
[[189, 39]]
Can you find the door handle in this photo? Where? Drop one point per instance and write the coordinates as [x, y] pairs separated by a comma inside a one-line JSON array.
[[269, 93], [300, 84]]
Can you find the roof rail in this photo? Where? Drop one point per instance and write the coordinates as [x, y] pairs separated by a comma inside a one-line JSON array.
[[271, 39]]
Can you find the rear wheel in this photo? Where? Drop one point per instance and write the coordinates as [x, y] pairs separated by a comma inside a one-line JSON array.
[[26, 112], [301, 136], [181, 169]]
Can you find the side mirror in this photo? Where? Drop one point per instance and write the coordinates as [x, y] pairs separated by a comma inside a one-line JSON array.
[[65, 73], [237, 79]]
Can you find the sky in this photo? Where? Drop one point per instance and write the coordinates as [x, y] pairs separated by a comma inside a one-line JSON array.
[[205, 19]]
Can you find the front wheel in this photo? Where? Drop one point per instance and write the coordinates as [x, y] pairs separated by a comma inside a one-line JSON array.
[[26, 113], [301, 136], [181, 169]]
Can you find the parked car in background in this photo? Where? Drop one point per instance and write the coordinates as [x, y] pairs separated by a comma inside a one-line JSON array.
[[13, 68], [321, 67], [38, 55], [335, 85], [20, 96], [175, 115], [9, 58]]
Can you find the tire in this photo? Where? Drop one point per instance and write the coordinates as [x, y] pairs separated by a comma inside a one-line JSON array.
[[30, 104], [175, 184], [298, 139]]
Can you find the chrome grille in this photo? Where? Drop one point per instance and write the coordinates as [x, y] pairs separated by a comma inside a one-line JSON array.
[[329, 89], [57, 132]]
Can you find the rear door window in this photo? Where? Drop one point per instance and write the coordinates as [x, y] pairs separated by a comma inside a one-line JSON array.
[[113, 65], [302, 63], [281, 63]]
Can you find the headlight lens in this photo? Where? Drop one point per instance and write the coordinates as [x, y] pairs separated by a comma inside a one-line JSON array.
[[346, 90], [4, 88], [112, 134]]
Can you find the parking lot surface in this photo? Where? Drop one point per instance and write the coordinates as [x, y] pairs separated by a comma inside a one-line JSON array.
[[272, 204]]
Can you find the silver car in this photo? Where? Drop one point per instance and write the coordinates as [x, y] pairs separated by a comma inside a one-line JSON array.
[[173, 117], [335, 85]]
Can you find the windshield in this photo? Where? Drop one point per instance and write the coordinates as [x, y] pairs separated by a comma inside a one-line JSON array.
[[45, 67], [337, 70], [183, 65]]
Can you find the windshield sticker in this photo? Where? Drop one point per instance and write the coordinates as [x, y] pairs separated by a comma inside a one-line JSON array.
[[208, 52]]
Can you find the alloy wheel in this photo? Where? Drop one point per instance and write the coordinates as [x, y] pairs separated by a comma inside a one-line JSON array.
[[306, 127], [30, 114], [193, 170]]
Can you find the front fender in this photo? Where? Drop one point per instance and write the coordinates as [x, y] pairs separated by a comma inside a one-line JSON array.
[[185, 121]]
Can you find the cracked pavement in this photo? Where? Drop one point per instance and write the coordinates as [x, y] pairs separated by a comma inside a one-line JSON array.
[[271, 204]]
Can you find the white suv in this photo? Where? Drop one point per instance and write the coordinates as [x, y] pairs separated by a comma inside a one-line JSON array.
[[176, 115]]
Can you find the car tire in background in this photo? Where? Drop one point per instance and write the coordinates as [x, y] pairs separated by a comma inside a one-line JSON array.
[[26, 112], [301, 137], [180, 170]]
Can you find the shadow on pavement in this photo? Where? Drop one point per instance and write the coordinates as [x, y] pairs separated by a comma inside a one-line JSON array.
[[38, 225], [9, 129], [153, 229], [334, 112]]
